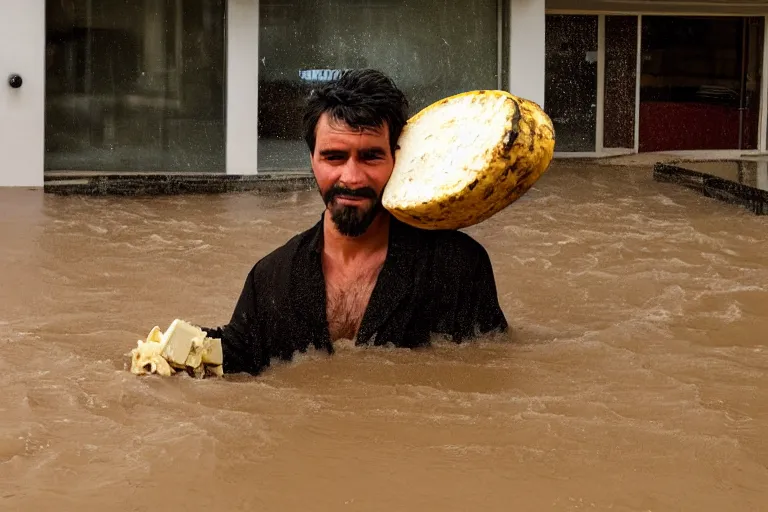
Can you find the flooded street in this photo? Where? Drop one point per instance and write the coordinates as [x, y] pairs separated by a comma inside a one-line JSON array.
[[634, 377]]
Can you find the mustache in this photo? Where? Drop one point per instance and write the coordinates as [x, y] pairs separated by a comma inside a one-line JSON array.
[[336, 190]]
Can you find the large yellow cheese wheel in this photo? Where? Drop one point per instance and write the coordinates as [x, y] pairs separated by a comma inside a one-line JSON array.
[[467, 157]]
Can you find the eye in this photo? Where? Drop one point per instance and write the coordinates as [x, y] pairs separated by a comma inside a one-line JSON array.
[[334, 157], [373, 155]]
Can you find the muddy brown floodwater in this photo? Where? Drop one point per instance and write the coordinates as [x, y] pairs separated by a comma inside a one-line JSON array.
[[635, 376]]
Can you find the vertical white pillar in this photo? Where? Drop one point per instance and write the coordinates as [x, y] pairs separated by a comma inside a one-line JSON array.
[[527, 54], [22, 109], [242, 86], [762, 175]]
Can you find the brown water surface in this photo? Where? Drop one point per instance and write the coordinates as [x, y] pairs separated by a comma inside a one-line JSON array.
[[635, 377]]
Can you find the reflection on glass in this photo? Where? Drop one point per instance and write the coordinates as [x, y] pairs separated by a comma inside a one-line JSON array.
[[135, 85], [751, 174], [428, 49], [620, 81], [700, 82], [570, 96]]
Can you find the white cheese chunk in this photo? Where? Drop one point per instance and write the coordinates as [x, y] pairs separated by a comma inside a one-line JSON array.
[[178, 339]]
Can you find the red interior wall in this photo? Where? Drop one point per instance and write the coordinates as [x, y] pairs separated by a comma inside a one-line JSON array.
[[667, 126]]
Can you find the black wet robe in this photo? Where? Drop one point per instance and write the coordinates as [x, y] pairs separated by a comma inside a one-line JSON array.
[[432, 282]]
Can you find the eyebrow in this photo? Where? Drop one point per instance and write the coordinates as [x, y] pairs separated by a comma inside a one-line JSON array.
[[372, 151], [334, 152]]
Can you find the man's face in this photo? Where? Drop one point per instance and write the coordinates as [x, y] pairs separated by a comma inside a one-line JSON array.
[[351, 169]]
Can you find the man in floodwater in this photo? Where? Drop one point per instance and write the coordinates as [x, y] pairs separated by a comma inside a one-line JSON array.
[[359, 274]]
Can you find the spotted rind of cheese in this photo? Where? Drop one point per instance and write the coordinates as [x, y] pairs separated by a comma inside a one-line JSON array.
[[207, 350], [212, 352], [465, 158]]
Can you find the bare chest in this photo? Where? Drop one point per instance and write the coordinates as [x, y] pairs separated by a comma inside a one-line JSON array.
[[347, 295]]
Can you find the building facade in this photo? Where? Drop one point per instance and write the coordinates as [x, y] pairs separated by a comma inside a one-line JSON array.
[[124, 86]]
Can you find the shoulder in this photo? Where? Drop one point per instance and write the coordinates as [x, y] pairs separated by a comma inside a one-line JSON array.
[[460, 242], [450, 246], [461, 249], [453, 242]]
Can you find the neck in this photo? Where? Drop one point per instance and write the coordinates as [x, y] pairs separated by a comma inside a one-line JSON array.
[[375, 239]]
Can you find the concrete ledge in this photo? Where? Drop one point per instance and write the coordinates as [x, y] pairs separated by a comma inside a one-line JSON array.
[[733, 187], [150, 184]]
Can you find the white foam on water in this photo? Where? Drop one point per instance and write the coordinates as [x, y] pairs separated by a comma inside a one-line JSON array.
[[666, 201], [98, 229], [159, 239]]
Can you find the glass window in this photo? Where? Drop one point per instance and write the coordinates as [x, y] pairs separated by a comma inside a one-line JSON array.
[[431, 48], [620, 81], [135, 86], [570, 95], [700, 82]]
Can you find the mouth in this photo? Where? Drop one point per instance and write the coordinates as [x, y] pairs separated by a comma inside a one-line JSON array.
[[350, 199]]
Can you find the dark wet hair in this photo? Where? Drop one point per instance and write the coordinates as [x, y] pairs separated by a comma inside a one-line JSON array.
[[361, 98]]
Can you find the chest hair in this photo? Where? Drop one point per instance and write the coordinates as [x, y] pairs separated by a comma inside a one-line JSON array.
[[347, 297]]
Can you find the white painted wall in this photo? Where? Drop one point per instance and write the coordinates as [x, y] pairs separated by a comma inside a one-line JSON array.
[[242, 86], [762, 175], [22, 121], [526, 49]]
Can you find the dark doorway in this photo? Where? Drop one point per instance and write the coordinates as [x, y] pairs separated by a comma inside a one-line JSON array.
[[700, 83]]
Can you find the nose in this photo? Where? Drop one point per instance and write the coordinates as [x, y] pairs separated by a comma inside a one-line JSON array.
[[352, 174]]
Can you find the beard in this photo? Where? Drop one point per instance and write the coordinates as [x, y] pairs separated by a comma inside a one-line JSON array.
[[352, 221]]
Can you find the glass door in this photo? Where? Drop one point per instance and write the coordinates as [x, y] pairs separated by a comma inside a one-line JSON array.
[[620, 82], [570, 96], [700, 83]]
